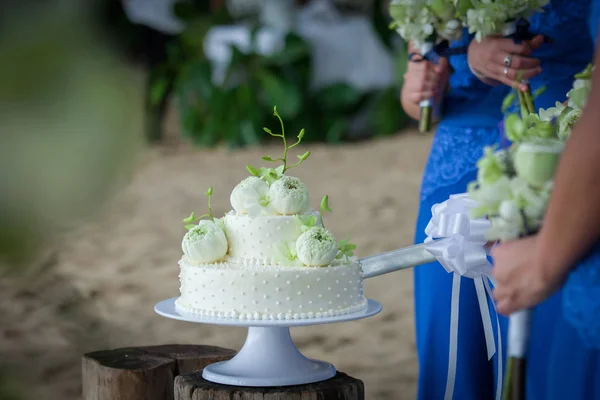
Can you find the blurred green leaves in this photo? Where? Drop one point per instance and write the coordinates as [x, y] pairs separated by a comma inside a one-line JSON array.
[[70, 125], [234, 111]]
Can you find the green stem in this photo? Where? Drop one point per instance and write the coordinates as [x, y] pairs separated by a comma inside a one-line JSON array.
[[523, 104], [506, 393], [322, 221], [285, 148], [210, 214]]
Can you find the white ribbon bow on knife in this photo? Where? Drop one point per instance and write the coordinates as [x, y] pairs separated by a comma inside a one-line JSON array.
[[461, 251], [458, 243]]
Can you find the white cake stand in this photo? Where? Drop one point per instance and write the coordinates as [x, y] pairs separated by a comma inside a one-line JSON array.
[[269, 356]]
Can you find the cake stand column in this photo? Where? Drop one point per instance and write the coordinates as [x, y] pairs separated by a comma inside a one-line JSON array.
[[268, 358]]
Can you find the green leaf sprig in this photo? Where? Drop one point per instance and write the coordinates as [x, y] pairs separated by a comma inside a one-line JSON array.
[[324, 207], [192, 219], [307, 222], [346, 249], [272, 174]]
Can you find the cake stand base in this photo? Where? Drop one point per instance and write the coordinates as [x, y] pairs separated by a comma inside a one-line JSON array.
[[268, 358]]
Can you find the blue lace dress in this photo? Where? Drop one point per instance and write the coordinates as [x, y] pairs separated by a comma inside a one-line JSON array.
[[470, 119], [470, 122]]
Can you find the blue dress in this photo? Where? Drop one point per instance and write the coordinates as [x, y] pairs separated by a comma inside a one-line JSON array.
[[469, 123], [549, 374], [569, 367], [471, 114]]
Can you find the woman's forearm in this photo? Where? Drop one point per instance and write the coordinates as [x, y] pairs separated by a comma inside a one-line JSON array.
[[572, 222]]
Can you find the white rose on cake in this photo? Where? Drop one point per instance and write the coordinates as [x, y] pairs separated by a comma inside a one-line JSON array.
[[205, 243], [316, 247], [289, 195], [251, 196]]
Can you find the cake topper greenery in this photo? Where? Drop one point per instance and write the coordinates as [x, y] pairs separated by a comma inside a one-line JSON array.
[[272, 174], [190, 221]]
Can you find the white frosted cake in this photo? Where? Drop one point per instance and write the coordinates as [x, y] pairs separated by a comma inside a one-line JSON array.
[[270, 257]]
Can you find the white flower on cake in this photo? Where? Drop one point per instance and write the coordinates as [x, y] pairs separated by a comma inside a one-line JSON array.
[[205, 243], [316, 247], [251, 196], [289, 196]]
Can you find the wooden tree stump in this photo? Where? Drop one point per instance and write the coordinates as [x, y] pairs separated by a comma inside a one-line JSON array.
[[143, 373], [341, 387]]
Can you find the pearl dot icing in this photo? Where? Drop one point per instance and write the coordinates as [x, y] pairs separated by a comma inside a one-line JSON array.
[[249, 284]]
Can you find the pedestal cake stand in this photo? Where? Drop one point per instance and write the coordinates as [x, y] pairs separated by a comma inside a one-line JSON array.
[[269, 356]]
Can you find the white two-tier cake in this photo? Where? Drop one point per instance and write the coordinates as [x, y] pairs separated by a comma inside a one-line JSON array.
[[270, 257]]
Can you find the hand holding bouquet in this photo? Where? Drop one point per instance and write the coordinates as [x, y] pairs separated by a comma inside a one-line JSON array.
[[428, 25]]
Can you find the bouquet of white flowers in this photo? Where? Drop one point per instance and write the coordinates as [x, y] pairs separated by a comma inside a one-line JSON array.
[[568, 113], [424, 22], [493, 17], [513, 188]]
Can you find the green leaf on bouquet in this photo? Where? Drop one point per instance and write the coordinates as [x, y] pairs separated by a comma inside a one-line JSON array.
[[586, 73], [579, 96], [539, 91], [508, 101], [515, 128], [489, 168], [190, 226]]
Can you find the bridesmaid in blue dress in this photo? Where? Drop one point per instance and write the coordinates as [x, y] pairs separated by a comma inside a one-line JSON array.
[[560, 364], [468, 124]]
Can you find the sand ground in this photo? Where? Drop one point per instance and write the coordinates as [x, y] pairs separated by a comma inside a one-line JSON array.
[[104, 279]]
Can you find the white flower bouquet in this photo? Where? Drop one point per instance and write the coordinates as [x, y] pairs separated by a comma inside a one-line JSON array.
[[499, 17], [424, 22], [513, 188]]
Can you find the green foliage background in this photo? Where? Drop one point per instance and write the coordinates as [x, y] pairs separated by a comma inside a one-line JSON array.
[[235, 113]]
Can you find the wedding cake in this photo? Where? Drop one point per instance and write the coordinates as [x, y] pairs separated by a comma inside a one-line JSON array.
[[271, 257]]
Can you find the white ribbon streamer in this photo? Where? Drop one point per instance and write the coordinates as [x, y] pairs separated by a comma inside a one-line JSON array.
[[458, 243]]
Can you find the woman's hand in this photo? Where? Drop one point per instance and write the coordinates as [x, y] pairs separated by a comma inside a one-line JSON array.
[[496, 59], [423, 80], [522, 280]]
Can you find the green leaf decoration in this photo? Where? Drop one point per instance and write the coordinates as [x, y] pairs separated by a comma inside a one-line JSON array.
[[304, 156], [325, 204], [269, 175], [279, 171], [253, 171], [190, 219], [346, 249], [307, 222]]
